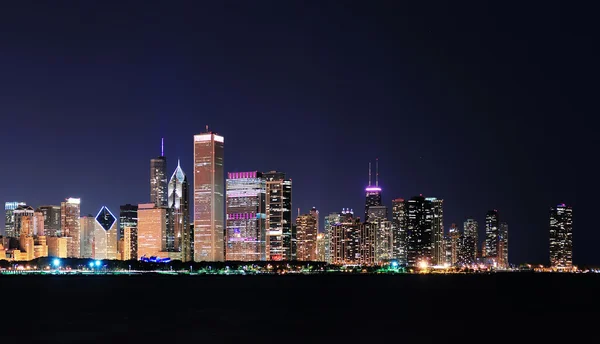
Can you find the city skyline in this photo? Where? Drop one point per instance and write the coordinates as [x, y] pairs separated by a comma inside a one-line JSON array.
[[301, 108]]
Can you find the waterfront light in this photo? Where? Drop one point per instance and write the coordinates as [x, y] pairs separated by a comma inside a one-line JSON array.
[[98, 263], [56, 262]]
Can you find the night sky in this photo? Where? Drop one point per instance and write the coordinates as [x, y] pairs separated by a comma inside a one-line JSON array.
[[481, 105]]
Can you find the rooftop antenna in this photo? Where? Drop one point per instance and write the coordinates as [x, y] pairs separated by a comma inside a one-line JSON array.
[[178, 162], [376, 171], [369, 173], [298, 211], [162, 146]]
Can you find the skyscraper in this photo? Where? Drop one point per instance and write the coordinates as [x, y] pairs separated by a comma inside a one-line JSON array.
[[179, 205], [399, 230], [51, 219], [437, 227], [9, 223], [209, 192], [561, 237], [158, 179], [492, 242], [87, 225], [279, 216], [469, 243], [245, 238], [152, 226], [454, 244], [306, 237], [127, 217], [70, 226], [321, 247], [503, 245], [23, 221], [373, 193], [330, 220], [105, 235], [419, 223]]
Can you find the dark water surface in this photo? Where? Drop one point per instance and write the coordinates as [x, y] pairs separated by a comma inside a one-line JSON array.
[[332, 309]]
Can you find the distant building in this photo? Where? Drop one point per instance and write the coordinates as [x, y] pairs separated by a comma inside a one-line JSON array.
[[57, 246], [209, 197], [399, 231], [152, 225], [158, 180], [330, 220], [419, 231], [9, 220], [23, 220], [321, 247], [503, 245], [454, 245], [373, 192], [306, 237], [352, 242], [279, 216], [561, 237], [469, 243], [437, 228], [382, 229], [105, 235], [179, 236], [492, 242], [245, 237], [130, 243], [127, 217], [52, 219], [70, 226], [38, 224], [87, 226]]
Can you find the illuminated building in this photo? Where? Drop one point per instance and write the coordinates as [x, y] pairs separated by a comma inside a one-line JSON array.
[[306, 237], [87, 226], [9, 220], [454, 244], [23, 220], [40, 247], [26, 247], [469, 242], [52, 219], [105, 235], [245, 237], [561, 237], [209, 192], [178, 231], [330, 220], [399, 230], [57, 247], [491, 236], [279, 216], [321, 247], [158, 179], [437, 228], [38, 224], [130, 243], [382, 229], [503, 245], [127, 217], [70, 226], [419, 235], [151, 229], [373, 193], [315, 213], [352, 242]]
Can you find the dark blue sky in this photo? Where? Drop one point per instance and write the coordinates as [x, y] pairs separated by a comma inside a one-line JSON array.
[[481, 105]]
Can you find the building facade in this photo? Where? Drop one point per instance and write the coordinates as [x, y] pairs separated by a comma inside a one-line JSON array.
[[9, 219], [179, 236], [306, 237], [437, 228], [561, 237], [469, 243], [87, 226], [330, 220], [503, 245], [52, 219], [158, 181], [105, 235], [399, 231], [151, 229], [209, 197], [492, 242], [279, 216], [352, 242], [419, 232], [70, 226]]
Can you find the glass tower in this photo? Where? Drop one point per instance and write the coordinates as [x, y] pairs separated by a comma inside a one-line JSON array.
[[179, 205], [561, 237], [70, 226], [279, 216], [9, 223], [52, 219]]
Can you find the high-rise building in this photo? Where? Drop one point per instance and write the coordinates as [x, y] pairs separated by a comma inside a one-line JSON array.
[[330, 220], [70, 226], [87, 225], [373, 193], [306, 237], [419, 232], [315, 213], [105, 235], [127, 217], [209, 192], [382, 227], [129, 243], [492, 242], [38, 224], [279, 216], [178, 237], [561, 237], [454, 244], [245, 238], [469, 243], [152, 226], [9, 223], [437, 228], [352, 242], [23, 221], [321, 247], [399, 230], [52, 219], [57, 246], [158, 179]]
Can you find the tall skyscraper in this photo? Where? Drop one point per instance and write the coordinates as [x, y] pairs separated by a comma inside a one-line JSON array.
[[373, 193], [179, 205], [130, 242], [330, 220], [87, 225], [561, 237], [503, 245], [9, 223], [279, 216], [52, 219], [245, 238], [23, 221], [491, 236], [454, 244], [209, 192], [399, 230], [437, 228], [382, 229], [152, 226], [352, 242], [105, 235], [70, 226], [419, 232], [158, 179], [321, 247], [469, 243], [306, 237], [127, 217]]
